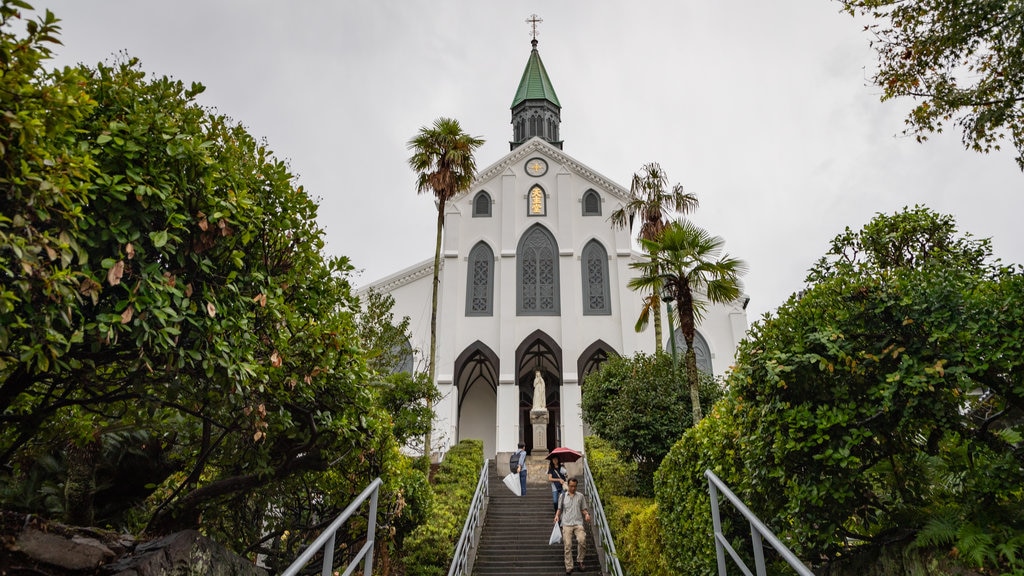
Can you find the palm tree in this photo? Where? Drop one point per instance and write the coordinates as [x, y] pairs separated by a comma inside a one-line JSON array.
[[691, 262], [651, 199], [442, 156]]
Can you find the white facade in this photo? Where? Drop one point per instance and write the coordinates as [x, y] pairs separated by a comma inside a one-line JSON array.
[[490, 346]]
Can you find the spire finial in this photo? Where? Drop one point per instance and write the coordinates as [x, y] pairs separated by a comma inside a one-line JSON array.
[[533, 20]]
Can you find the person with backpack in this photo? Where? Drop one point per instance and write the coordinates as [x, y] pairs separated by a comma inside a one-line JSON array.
[[517, 464]]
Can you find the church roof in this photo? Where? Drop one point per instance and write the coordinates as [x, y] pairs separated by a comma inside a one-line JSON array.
[[538, 145], [535, 84]]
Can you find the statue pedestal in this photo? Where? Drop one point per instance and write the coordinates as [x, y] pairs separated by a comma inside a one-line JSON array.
[[539, 418]]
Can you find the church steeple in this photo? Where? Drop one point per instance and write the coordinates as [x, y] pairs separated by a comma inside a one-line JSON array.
[[535, 108]]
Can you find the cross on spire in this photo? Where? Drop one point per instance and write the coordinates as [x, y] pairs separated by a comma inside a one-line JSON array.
[[533, 20]]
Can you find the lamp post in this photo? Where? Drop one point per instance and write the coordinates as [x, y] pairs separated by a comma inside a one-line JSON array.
[[668, 296]]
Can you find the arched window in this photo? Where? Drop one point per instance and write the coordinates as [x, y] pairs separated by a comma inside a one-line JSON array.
[[536, 201], [537, 274], [700, 349], [591, 203], [405, 364], [482, 205], [596, 292], [480, 281]]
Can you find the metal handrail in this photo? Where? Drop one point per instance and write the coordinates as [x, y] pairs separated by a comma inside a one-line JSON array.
[[603, 534], [325, 541], [758, 531], [465, 550]]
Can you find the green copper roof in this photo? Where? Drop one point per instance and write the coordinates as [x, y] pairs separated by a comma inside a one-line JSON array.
[[535, 84]]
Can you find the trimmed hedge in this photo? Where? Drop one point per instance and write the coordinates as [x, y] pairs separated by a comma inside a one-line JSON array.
[[681, 491], [612, 474], [633, 520], [429, 548]]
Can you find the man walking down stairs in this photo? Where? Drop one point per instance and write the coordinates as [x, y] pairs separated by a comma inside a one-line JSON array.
[[515, 536]]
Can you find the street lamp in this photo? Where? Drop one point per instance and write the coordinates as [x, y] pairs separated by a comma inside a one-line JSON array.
[[668, 296]]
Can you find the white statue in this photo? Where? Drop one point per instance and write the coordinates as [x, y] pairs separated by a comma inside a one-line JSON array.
[[539, 394]]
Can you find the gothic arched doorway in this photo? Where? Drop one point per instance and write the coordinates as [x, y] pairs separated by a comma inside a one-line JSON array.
[[539, 353], [590, 361], [476, 383]]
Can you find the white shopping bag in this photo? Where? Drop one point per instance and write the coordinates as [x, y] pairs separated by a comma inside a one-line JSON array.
[[556, 534], [512, 481]]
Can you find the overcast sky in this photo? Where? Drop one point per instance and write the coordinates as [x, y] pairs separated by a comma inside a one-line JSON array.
[[762, 109]]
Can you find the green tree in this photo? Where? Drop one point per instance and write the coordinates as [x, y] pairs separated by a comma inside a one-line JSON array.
[[960, 61], [692, 263], [881, 405], [641, 407], [442, 157], [651, 199], [403, 392], [164, 296]]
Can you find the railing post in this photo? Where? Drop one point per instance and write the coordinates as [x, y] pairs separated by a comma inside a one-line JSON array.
[[755, 539], [325, 566], [716, 521], [371, 533], [758, 533]]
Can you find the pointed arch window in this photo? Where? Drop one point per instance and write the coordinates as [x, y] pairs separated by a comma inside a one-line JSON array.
[[591, 203], [700, 349], [537, 274], [536, 201], [480, 281], [596, 292], [482, 205]]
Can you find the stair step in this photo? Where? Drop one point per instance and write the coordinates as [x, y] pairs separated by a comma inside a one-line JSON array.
[[515, 535]]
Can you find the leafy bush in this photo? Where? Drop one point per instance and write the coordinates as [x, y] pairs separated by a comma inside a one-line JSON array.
[[884, 402], [643, 551], [429, 548], [612, 474], [681, 489], [176, 351], [641, 406]]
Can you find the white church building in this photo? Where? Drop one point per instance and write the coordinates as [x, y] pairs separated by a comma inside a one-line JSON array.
[[533, 277]]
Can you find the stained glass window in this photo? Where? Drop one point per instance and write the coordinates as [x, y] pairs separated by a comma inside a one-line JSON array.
[[537, 267], [480, 281], [596, 296]]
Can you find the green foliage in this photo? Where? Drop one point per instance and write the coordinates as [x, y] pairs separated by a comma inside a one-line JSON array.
[[642, 550], [404, 394], [693, 267], [886, 395], [960, 62], [385, 342], [641, 408], [681, 489], [613, 473], [431, 546], [170, 333]]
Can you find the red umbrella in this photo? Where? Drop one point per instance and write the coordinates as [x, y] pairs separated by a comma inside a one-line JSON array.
[[564, 454]]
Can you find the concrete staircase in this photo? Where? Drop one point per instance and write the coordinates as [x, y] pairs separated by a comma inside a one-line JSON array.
[[515, 534]]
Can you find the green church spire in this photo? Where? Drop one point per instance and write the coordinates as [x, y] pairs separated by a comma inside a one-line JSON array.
[[536, 111], [535, 84]]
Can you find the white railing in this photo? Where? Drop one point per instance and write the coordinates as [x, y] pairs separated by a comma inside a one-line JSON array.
[[602, 533], [758, 533], [325, 541], [465, 550]]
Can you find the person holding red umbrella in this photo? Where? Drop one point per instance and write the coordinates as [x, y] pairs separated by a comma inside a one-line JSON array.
[[557, 476]]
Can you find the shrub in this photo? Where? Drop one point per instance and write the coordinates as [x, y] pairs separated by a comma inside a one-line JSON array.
[[642, 550], [681, 489], [612, 474], [430, 547]]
